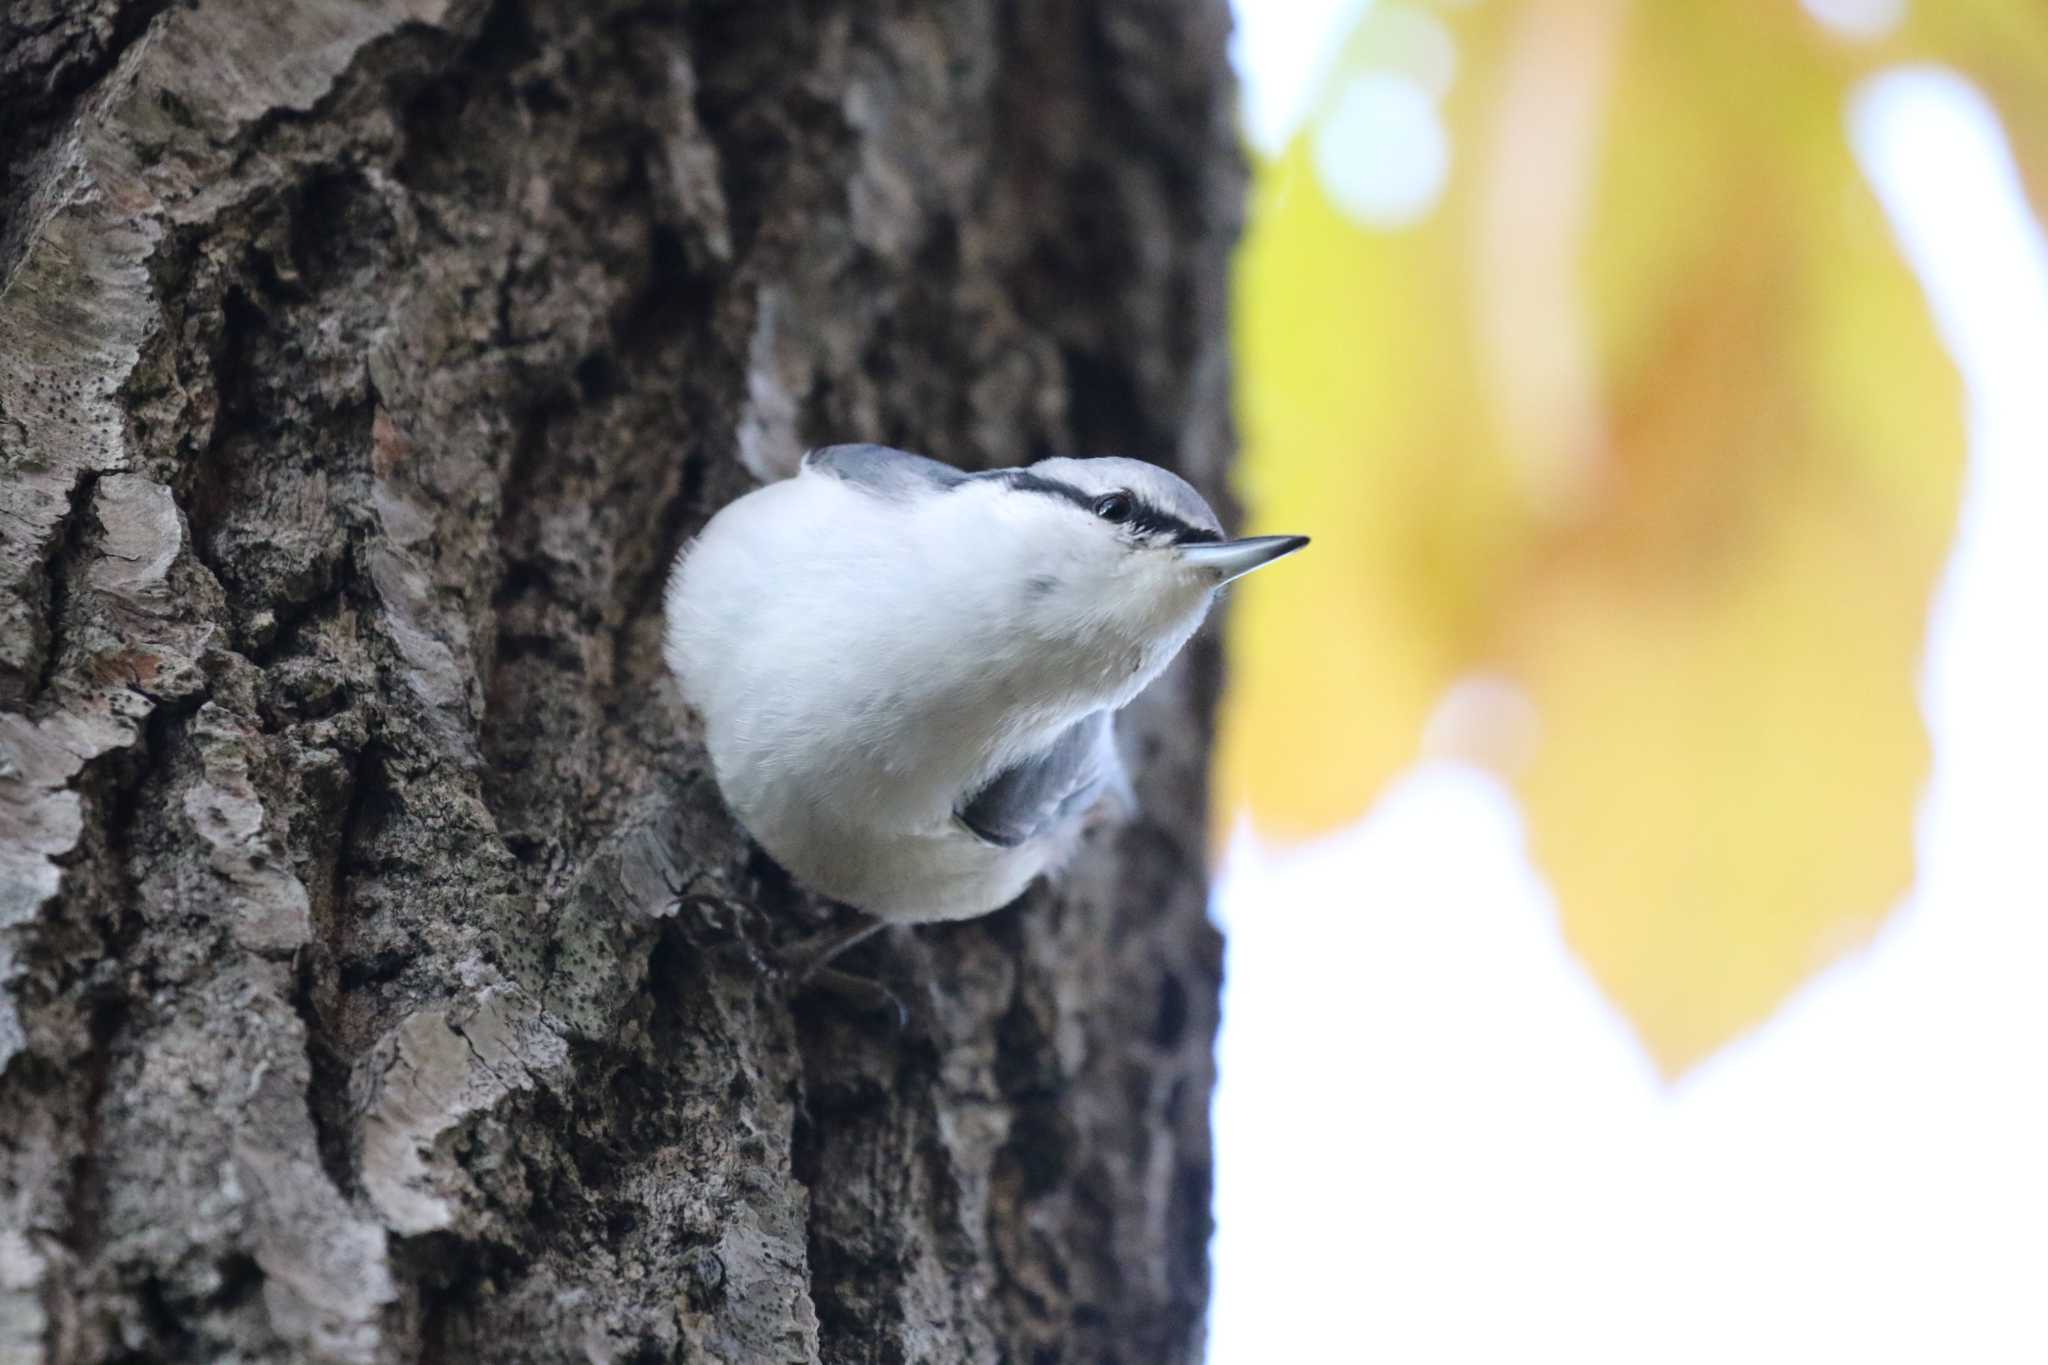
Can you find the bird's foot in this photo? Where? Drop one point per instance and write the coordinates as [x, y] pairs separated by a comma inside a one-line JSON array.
[[807, 956], [806, 967]]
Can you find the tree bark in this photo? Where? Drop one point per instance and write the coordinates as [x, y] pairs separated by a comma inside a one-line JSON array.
[[380, 976]]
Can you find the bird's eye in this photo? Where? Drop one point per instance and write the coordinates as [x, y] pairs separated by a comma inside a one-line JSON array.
[[1114, 507]]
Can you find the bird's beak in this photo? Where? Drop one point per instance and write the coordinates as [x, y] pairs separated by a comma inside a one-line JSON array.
[[1236, 558]]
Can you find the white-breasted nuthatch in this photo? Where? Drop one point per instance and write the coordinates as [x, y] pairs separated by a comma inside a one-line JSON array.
[[908, 674]]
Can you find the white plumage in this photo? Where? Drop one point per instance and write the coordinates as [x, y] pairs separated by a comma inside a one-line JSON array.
[[906, 674]]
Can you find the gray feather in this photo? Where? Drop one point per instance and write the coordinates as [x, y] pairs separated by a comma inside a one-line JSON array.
[[882, 471], [1036, 794]]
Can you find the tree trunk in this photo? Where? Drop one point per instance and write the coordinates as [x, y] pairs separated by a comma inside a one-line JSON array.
[[380, 976]]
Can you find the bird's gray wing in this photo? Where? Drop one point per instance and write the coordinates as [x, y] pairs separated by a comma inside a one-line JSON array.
[[1035, 794], [882, 471]]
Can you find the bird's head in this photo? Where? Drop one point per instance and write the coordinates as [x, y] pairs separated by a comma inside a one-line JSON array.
[[1123, 554]]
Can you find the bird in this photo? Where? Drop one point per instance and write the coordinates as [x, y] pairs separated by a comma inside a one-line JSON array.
[[908, 674]]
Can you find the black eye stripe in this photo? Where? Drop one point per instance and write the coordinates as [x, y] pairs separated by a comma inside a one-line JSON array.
[[1148, 520], [1145, 519]]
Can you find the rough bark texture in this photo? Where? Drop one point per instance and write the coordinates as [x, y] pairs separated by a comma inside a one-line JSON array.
[[380, 976]]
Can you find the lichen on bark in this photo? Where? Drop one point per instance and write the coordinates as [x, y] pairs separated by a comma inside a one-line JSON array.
[[380, 977]]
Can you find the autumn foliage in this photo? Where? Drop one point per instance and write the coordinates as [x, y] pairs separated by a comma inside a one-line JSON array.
[[1632, 458]]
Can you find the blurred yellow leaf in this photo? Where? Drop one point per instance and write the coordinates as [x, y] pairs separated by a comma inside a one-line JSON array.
[[1645, 415]]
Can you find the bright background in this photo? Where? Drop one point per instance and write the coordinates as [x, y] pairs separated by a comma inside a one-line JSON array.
[[1439, 1140]]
